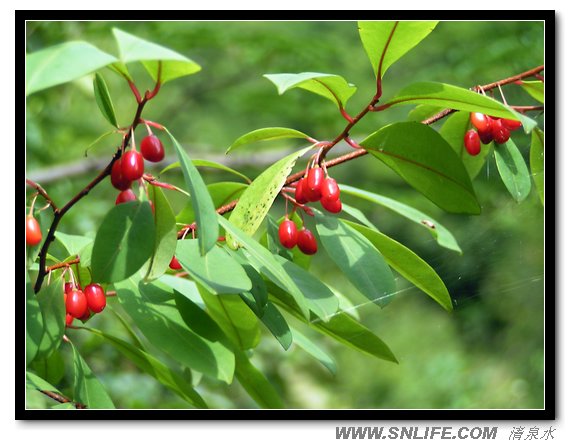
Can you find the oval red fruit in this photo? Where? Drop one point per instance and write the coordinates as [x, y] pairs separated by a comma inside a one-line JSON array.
[[481, 122], [175, 264], [68, 319], [486, 137], [125, 196], [329, 190], [288, 234], [76, 303], [300, 196], [501, 134], [334, 206], [315, 179], [33, 231], [96, 299], [472, 142], [117, 178], [152, 149], [307, 242], [511, 124], [132, 165]]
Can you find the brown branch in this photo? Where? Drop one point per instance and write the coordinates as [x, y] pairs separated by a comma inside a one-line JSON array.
[[62, 265], [42, 192], [62, 399]]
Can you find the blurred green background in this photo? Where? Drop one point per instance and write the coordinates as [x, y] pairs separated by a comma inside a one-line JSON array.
[[488, 353]]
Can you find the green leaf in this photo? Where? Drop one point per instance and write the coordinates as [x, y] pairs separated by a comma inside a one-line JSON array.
[[534, 89], [34, 382], [513, 170], [151, 308], [272, 319], [423, 112], [256, 384], [257, 199], [257, 295], [387, 41], [358, 215], [124, 242], [50, 300], [408, 264], [453, 131], [154, 368], [537, 161], [312, 349], [51, 368], [86, 387], [457, 98], [427, 162], [173, 64], [166, 238], [34, 322], [103, 99], [266, 263], [216, 270], [74, 244], [266, 134], [332, 87], [63, 63], [185, 287], [201, 201], [208, 164], [234, 317], [439, 232], [357, 259]]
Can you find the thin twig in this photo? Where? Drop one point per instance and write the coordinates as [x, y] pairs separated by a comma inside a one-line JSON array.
[[62, 399]]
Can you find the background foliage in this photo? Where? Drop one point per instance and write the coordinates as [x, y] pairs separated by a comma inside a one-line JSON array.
[[488, 353]]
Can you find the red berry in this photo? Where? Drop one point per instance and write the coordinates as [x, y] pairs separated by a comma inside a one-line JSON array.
[[152, 149], [68, 287], [86, 315], [486, 137], [300, 196], [315, 179], [117, 178], [33, 231], [511, 124], [472, 142], [125, 196], [329, 190], [175, 264], [501, 134], [68, 319], [288, 234], [76, 303], [481, 122], [334, 206], [96, 299], [307, 242], [132, 165]]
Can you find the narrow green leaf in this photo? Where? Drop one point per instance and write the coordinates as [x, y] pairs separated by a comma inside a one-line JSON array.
[[74, 244], [266, 263], [386, 42], [152, 308], [172, 64], [357, 259], [453, 131], [266, 134], [537, 161], [185, 287], [103, 99], [258, 291], [51, 368], [34, 322], [201, 201], [427, 162], [63, 63], [86, 387], [208, 164], [124, 242], [272, 319], [443, 236], [256, 384], [165, 238], [35, 382], [50, 300], [457, 98], [534, 89], [357, 214], [513, 170], [315, 351], [332, 87], [234, 317], [422, 112], [408, 264], [216, 270], [256, 200]]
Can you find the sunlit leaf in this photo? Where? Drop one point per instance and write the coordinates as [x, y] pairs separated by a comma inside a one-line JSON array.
[[513, 170], [266, 134], [103, 99]]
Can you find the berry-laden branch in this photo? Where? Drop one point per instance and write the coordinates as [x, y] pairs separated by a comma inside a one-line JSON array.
[[361, 152]]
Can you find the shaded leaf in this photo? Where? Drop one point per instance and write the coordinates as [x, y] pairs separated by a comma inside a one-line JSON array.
[[272, 319], [34, 322], [266, 134], [103, 99], [256, 384], [74, 244], [35, 382], [50, 300], [315, 351], [185, 287], [513, 170]]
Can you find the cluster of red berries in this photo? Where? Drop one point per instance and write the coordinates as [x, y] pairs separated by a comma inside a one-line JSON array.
[[81, 303], [488, 128], [316, 186], [33, 231], [130, 167], [290, 237]]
